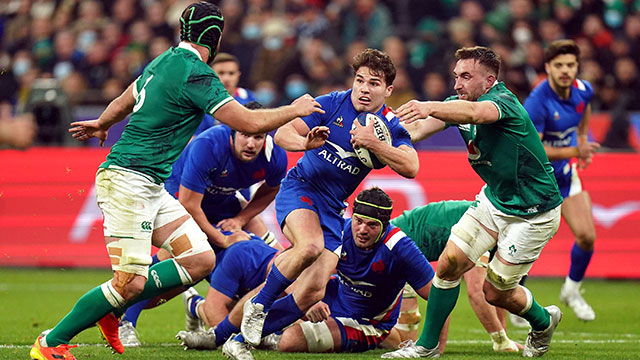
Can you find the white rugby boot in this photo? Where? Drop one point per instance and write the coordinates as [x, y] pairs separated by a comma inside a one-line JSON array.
[[236, 350], [570, 294], [200, 340], [538, 341], [128, 335], [409, 349], [253, 317]]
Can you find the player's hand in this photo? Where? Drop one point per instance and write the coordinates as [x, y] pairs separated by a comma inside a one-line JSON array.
[[316, 137], [235, 237], [412, 111], [307, 105], [84, 130], [585, 153], [363, 136], [318, 312], [231, 224]]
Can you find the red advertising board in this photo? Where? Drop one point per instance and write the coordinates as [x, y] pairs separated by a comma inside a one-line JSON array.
[[48, 215]]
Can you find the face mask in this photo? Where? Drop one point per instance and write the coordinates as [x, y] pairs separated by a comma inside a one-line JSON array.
[[21, 66], [272, 43], [265, 97], [86, 39], [62, 70], [295, 89], [522, 35], [251, 31]]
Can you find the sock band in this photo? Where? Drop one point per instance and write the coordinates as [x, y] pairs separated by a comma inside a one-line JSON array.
[[111, 294]]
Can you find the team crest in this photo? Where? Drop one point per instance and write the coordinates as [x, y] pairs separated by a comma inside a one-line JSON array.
[[473, 151], [556, 116]]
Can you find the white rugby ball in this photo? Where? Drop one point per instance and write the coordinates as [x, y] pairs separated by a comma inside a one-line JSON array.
[[380, 130]]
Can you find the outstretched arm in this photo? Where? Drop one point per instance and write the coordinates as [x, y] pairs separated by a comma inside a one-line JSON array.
[[117, 110], [296, 136], [249, 121], [455, 111], [424, 129]]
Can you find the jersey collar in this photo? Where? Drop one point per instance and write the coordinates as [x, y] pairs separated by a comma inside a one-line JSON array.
[[186, 46]]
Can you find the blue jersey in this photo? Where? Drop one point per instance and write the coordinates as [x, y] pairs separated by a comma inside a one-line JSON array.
[[371, 281], [242, 95], [242, 267], [557, 119], [209, 166], [333, 169]]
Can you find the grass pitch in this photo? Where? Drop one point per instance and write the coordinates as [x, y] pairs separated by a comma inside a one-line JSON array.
[[32, 300]]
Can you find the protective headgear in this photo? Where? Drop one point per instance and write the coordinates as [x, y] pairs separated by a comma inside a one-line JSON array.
[[371, 211], [202, 23]]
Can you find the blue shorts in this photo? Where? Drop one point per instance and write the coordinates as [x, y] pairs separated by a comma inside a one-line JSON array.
[[568, 180], [296, 193]]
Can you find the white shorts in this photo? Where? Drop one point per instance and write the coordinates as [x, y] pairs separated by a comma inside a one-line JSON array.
[[133, 206], [520, 238]]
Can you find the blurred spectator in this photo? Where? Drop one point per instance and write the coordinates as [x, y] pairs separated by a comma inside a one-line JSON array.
[[367, 20], [434, 87], [156, 18], [266, 93], [402, 90], [628, 81]]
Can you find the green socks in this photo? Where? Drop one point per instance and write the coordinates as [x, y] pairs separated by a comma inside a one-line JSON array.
[[440, 304], [538, 317]]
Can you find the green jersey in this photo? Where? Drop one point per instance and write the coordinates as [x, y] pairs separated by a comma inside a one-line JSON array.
[[509, 156], [429, 226], [172, 95]]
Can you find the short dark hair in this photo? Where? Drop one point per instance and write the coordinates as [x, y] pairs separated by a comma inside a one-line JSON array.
[[225, 57], [483, 55], [561, 47], [378, 62]]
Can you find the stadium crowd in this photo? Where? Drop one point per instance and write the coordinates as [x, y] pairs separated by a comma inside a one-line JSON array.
[[288, 47]]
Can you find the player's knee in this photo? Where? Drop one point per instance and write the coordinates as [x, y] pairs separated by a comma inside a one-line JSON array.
[[310, 252], [128, 285], [199, 265], [289, 342], [586, 239]]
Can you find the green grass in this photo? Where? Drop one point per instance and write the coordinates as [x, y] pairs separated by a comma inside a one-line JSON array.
[[32, 300]]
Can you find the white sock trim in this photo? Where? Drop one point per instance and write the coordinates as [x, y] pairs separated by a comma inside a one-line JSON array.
[[529, 303], [445, 284], [112, 295], [185, 278]]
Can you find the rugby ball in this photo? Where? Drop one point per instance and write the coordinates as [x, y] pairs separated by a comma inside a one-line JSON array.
[[380, 130]]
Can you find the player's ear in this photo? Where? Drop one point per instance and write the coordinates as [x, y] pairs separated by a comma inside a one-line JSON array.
[[388, 91]]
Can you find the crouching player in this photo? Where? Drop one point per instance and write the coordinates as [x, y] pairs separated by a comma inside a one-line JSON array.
[[362, 303]]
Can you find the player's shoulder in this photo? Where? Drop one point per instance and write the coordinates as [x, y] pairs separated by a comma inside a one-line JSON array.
[[272, 152], [584, 87], [394, 239]]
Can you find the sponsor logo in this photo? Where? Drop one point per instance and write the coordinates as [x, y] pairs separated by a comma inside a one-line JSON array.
[[533, 209], [224, 173], [338, 160], [338, 122], [156, 279], [146, 225], [351, 284]]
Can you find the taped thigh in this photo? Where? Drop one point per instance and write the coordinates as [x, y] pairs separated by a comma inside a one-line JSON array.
[[318, 336], [187, 240], [130, 256], [506, 277], [471, 238]]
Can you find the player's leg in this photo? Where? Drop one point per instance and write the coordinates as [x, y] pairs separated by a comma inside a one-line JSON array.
[[409, 319], [311, 337], [576, 210], [486, 313]]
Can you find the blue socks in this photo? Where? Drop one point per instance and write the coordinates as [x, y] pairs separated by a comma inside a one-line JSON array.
[[580, 260], [224, 330], [193, 302], [274, 286]]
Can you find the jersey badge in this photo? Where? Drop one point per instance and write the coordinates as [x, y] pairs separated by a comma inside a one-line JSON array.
[[224, 173], [473, 151], [338, 122], [580, 107], [259, 174], [378, 267], [556, 116]]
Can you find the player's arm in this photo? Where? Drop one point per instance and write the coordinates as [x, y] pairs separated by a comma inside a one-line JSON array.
[[115, 112], [261, 199], [424, 129], [256, 121], [584, 148], [454, 111], [191, 201], [296, 136], [402, 159], [423, 292]]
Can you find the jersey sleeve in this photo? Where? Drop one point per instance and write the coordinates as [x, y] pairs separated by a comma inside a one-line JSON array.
[[205, 91], [317, 119], [536, 110], [277, 167], [588, 91], [399, 135], [199, 164], [417, 270], [506, 105]]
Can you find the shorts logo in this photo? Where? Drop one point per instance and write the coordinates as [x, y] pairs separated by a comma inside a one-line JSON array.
[[512, 250], [305, 199], [146, 225], [378, 267]]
